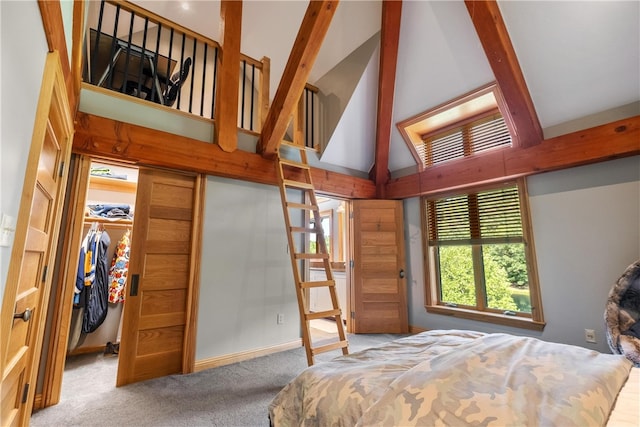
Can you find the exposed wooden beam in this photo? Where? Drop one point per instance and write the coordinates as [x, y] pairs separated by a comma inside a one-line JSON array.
[[104, 138], [502, 58], [389, 38], [226, 108], [77, 53], [53, 26], [303, 54], [597, 144]]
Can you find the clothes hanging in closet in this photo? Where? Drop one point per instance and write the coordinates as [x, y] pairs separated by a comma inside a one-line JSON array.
[[119, 269], [92, 292]]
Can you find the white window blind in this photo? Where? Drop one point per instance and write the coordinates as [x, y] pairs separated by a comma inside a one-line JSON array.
[[474, 137]]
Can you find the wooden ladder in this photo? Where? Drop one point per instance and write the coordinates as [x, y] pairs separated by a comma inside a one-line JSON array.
[[296, 175]]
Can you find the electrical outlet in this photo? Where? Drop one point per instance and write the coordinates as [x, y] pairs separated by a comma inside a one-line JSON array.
[[280, 318], [590, 335]]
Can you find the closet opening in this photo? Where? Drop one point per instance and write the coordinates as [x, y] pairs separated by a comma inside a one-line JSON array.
[[99, 293]]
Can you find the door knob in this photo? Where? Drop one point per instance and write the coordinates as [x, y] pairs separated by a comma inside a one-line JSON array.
[[25, 315], [402, 274]]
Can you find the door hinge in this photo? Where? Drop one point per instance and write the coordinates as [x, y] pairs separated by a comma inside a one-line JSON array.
[[352, 264], [25, 393], [44, 273], [61, 172], [353, 314]]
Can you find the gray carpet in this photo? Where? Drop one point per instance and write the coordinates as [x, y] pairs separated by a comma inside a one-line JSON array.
[[232, 395]]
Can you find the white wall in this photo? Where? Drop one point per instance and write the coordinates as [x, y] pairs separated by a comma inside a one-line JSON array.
[[245, 272], [439, 58], [586, 226], [23, 49]]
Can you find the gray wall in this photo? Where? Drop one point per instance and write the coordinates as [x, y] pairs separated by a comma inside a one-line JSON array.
[[23, 49], [586, 226], [246, 277]]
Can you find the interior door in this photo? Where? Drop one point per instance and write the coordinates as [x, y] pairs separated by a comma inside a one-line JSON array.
[[379, 296], [158, 323], [29, 276]]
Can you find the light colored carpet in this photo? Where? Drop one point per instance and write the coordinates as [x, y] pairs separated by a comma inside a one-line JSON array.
[[233, 395]]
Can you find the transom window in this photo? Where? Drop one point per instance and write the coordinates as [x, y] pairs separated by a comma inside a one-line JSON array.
[[481, 263], [471, 124], [464, 140]]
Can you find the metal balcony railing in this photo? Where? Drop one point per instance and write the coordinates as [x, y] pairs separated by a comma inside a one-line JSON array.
[[310, 107], [135, 52]]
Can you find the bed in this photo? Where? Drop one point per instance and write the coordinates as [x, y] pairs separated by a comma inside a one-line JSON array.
[[457, 377]]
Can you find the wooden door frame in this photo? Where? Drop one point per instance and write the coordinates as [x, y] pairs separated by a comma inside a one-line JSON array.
[[53, 100], [66, 278], [348, 255], [66, 275]]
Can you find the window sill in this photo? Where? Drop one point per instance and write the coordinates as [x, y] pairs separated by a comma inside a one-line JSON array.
[[500, 319]]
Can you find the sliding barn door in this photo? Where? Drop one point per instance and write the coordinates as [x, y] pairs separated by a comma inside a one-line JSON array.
[[158, 324], [379, 296]]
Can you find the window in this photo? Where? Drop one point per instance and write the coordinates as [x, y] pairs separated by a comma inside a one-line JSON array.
[[325, 223], [473, 123], [464, 140], [481, 261]]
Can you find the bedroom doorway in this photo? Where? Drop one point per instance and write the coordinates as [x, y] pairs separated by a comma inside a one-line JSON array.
[[334, 217]]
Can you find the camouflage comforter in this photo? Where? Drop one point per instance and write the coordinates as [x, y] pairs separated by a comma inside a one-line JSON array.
[[455, 378]]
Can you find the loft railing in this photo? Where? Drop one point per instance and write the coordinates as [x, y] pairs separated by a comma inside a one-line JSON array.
[[138, 53], [311, 104]]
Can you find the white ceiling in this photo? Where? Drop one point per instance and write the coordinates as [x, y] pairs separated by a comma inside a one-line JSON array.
[[269, 28], [579, 58]]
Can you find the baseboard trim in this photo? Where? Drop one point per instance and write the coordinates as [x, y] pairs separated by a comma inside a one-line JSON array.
[[86, 350], [215, 362]]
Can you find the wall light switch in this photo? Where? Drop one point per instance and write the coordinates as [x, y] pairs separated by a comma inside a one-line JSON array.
[[7, 228]]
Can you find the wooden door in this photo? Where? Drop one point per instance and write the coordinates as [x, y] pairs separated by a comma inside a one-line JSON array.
[[158, 324], [379, 296], [29, 276]]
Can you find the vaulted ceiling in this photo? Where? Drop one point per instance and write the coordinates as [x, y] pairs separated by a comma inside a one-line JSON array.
[[580, 61]]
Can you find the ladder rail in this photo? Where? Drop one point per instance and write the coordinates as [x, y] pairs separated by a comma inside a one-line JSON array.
[[309, 204]]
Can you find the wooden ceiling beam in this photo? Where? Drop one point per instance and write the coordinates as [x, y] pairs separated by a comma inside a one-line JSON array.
[[104, 138], [226, 108], [492, 31], [606, 142], [305, 49], [51, 13], [389, 39]]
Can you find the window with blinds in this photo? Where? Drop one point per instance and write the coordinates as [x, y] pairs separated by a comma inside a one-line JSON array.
[[485, 217], [474, 137], [479, 252]]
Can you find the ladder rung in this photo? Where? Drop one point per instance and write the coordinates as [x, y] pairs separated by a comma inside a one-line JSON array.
[[317, 284], [292, 145], [329, 347], [303, 230], [297, 184], [294, 164], [323, 314], [293, 205], [311, 256]]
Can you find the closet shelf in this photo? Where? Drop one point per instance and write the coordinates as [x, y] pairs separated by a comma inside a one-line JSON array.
[[90, 219], [111, 184]]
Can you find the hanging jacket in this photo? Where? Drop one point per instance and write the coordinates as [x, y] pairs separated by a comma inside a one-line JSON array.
[[98, 292]]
